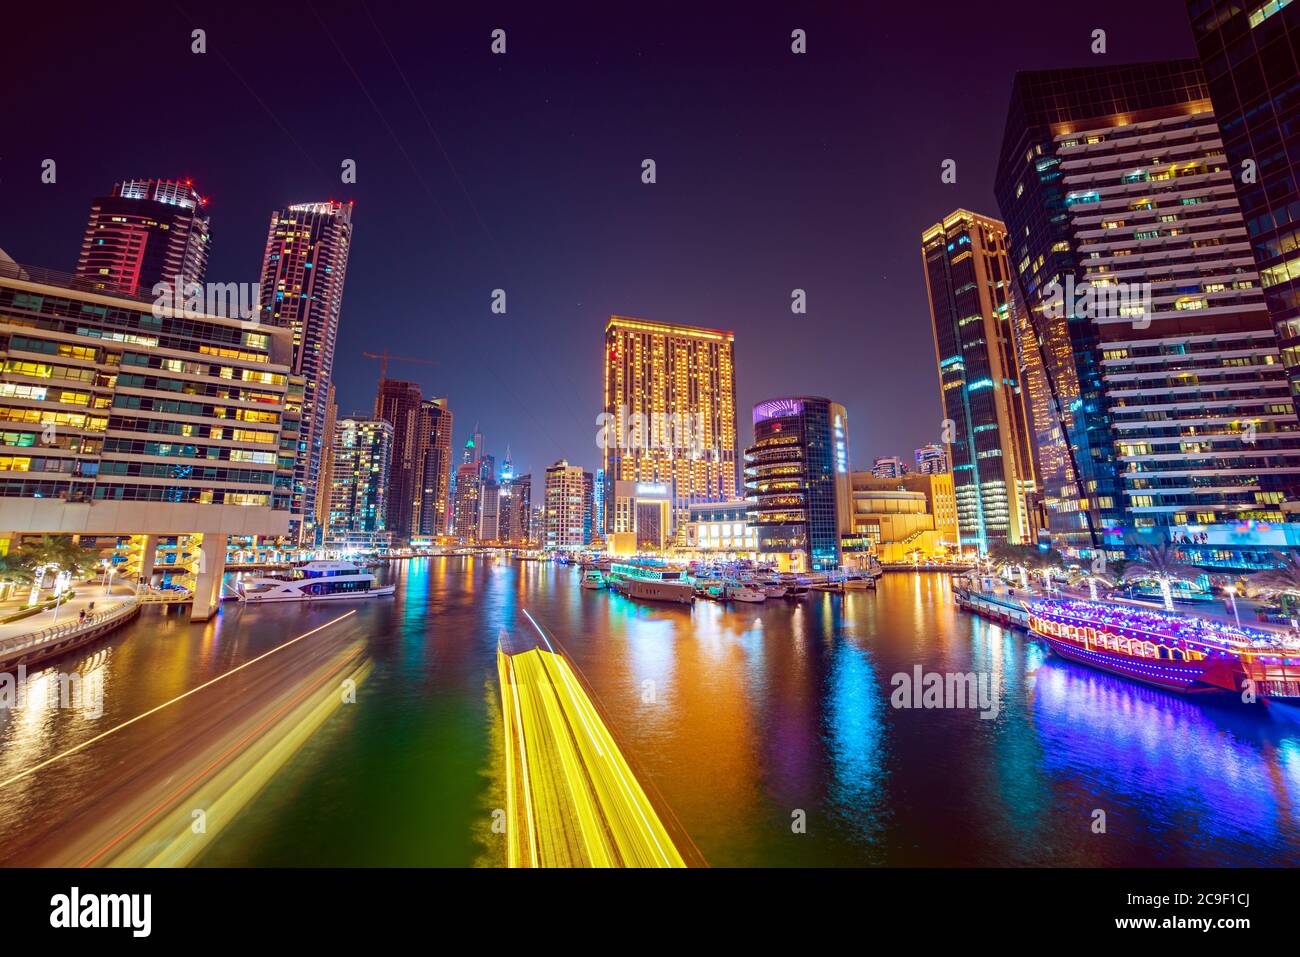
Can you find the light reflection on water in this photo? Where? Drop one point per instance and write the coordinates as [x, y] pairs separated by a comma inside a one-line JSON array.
[[740, 717]]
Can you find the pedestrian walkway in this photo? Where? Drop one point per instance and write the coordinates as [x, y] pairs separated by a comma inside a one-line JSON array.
[[69, 612]]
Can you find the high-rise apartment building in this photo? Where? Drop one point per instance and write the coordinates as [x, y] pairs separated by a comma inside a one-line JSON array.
[[125, 418], [968, 281], [323, 488], [303, 270], [1129, 245], [489, 511], [888, 466], [567, 506], [931, 460], [1250, 54], [466, 507], [144, 232], [434, 499], [359, 484], [797, 477], [401, 404], [670, 410]]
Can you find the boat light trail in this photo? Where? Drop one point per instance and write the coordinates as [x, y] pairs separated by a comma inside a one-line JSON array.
[[180, 697]]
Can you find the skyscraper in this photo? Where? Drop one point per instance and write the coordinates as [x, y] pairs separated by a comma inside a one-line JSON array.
[[303, 270], [521, 510], [400, 403], [145, 231], [670, 410], [323, 491], [362, 453], [434, 499], [968, 282], [566, 499], [1249, 53], [797, 477], [1130, 247], [931, 460], [465, 509]]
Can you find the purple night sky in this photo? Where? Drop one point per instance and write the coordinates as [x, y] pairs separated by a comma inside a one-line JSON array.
[[522, 171]]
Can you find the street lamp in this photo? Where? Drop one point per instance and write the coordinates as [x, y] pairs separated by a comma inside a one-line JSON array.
[[1232, 599]]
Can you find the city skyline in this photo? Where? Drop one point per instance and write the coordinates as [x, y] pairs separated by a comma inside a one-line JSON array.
[[471, 228]]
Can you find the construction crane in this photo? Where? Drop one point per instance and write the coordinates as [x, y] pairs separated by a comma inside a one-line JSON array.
[[384, 356]]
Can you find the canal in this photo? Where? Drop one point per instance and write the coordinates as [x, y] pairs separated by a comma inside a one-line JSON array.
[[767, 729]]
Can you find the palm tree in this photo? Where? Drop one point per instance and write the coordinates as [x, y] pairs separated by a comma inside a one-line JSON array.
[[1282, 580], [1093, 579], [1162, 564], [57, 552]]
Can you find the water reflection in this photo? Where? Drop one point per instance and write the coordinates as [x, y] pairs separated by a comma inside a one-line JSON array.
[[742, 718]]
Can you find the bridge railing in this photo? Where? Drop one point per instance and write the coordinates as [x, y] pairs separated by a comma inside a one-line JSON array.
[[55, 632]]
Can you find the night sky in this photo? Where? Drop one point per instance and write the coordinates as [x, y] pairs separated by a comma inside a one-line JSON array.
[[523, 172]]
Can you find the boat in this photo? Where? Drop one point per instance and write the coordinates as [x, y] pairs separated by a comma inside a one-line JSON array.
[[651, 582], [314, 581], [1173, 652], [745, 591], [593, 579], [774, 588]]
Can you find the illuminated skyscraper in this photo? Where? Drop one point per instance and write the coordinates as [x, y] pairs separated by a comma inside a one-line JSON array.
[[465, 509], [303, 270], [1249, 52], [1172, 391], [931, 460], [566, 506], [400, 403], [362, 452], [434, 500], [968, 280], [797, 479], [670, 410], [888, 466], [144, 232]]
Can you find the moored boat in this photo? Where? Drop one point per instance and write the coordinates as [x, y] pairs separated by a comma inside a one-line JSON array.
[[745, 591], [593, 579], [651, 582], [314, 581], [1177, 653]]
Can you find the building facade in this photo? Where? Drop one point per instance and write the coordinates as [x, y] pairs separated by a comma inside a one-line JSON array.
[[359, 483], [888, 466], [401, 404], [145, 232], [567, 507], [1249, 54], [968, 282], [1130, 245], [720, 531], [670, 410], [931, 460], [797, 479], [465, 508], [433, 502], [304, 267], [119, 417]]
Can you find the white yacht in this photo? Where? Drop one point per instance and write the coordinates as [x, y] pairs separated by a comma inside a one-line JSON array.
[[651, 583], [315, 581], [746, 591], [593, 579]]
